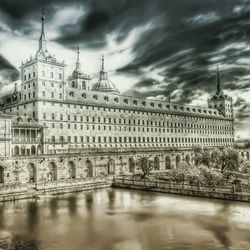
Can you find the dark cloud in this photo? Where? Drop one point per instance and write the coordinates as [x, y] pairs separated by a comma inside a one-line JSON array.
[[8, 73]]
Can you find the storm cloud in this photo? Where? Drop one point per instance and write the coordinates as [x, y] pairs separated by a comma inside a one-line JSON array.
[[180, 43]]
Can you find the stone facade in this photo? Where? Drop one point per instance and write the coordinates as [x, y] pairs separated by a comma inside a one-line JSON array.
[[63, 128]]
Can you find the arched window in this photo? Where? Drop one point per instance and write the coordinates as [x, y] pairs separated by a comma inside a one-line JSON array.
[[43, 73], [89, 168], [33, 150], [32, 177], [71, 170], [111, 167], [52, 175]]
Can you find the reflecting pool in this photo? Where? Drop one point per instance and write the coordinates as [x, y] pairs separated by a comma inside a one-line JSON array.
[[119, 219]]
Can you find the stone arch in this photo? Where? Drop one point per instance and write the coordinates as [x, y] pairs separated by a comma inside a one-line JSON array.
[[71, 170], [167, 162], [177, 159], [23, 150], [111, 167], [33, 150], [16, 150], [188, 158], [1, 174], [89, 168], [156, 163], [52, 175], [32, 173], [39, 149], [131, 164]]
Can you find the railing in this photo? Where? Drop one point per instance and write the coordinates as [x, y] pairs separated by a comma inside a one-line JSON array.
[[90, 181], [147, 184]]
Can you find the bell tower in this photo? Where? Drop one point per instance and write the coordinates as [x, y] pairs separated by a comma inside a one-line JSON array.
[[223, 103]]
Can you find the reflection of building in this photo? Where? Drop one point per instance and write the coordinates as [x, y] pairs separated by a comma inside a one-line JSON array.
[[65, 117]]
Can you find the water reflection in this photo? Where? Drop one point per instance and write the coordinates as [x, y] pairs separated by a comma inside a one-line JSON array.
[[114, 219]]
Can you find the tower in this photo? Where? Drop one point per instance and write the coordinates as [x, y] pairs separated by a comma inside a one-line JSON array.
[[220, 101], [78, 79], [104, 84]]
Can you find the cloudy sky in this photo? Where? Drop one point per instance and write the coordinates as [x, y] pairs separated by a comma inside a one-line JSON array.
[[153, 48]]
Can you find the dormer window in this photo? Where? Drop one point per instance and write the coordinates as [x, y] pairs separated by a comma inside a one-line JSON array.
[[95, 97], [144, 103], [83, 95], [72, 94], [135, 102], [126, 101], [106, 98], [116, 99], [160, 105], [152, 104]]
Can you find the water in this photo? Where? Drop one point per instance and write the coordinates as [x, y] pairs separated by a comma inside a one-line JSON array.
[[117, 219]]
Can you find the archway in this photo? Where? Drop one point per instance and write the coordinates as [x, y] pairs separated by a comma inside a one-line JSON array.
[[31, 173], [156, 163], [131, 165], [167, 162], [187, 159], [23, 150], [89, 168], [52, 175], [178, 160], [33, 150], [16, 150], [1, 174], [111, 167], [39, 149], [71, 170]]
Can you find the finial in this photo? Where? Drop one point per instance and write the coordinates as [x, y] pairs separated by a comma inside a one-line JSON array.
[[218, 81], [78, 65], [43, 14], [102, 62], [78, 52]]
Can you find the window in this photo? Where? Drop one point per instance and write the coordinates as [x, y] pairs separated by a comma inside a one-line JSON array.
[[60, 76], [51, 74], [43, 73], [52, 94]]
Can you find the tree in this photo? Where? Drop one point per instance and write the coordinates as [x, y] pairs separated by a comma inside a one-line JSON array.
[[146, 166], [202, 157], [227, 160]]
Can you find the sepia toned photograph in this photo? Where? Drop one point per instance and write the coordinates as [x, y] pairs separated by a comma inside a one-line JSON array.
[[124, 125]]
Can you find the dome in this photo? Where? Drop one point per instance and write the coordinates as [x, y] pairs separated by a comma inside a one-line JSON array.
[[104, 84]]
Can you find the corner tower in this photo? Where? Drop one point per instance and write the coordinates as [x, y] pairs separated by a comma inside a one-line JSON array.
[[223, 103]]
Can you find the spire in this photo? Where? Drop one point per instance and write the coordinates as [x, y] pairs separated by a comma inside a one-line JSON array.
[[78, 64], [103, 73], [218, 92], [42, 40], [102, 62]]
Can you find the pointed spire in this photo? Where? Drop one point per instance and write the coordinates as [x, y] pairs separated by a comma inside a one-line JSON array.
[[102, 62], [103, 73], [42, 40], [218, 92], [78, 64]]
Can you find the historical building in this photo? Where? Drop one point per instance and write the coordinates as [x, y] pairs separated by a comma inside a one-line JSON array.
[[59, 127]]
